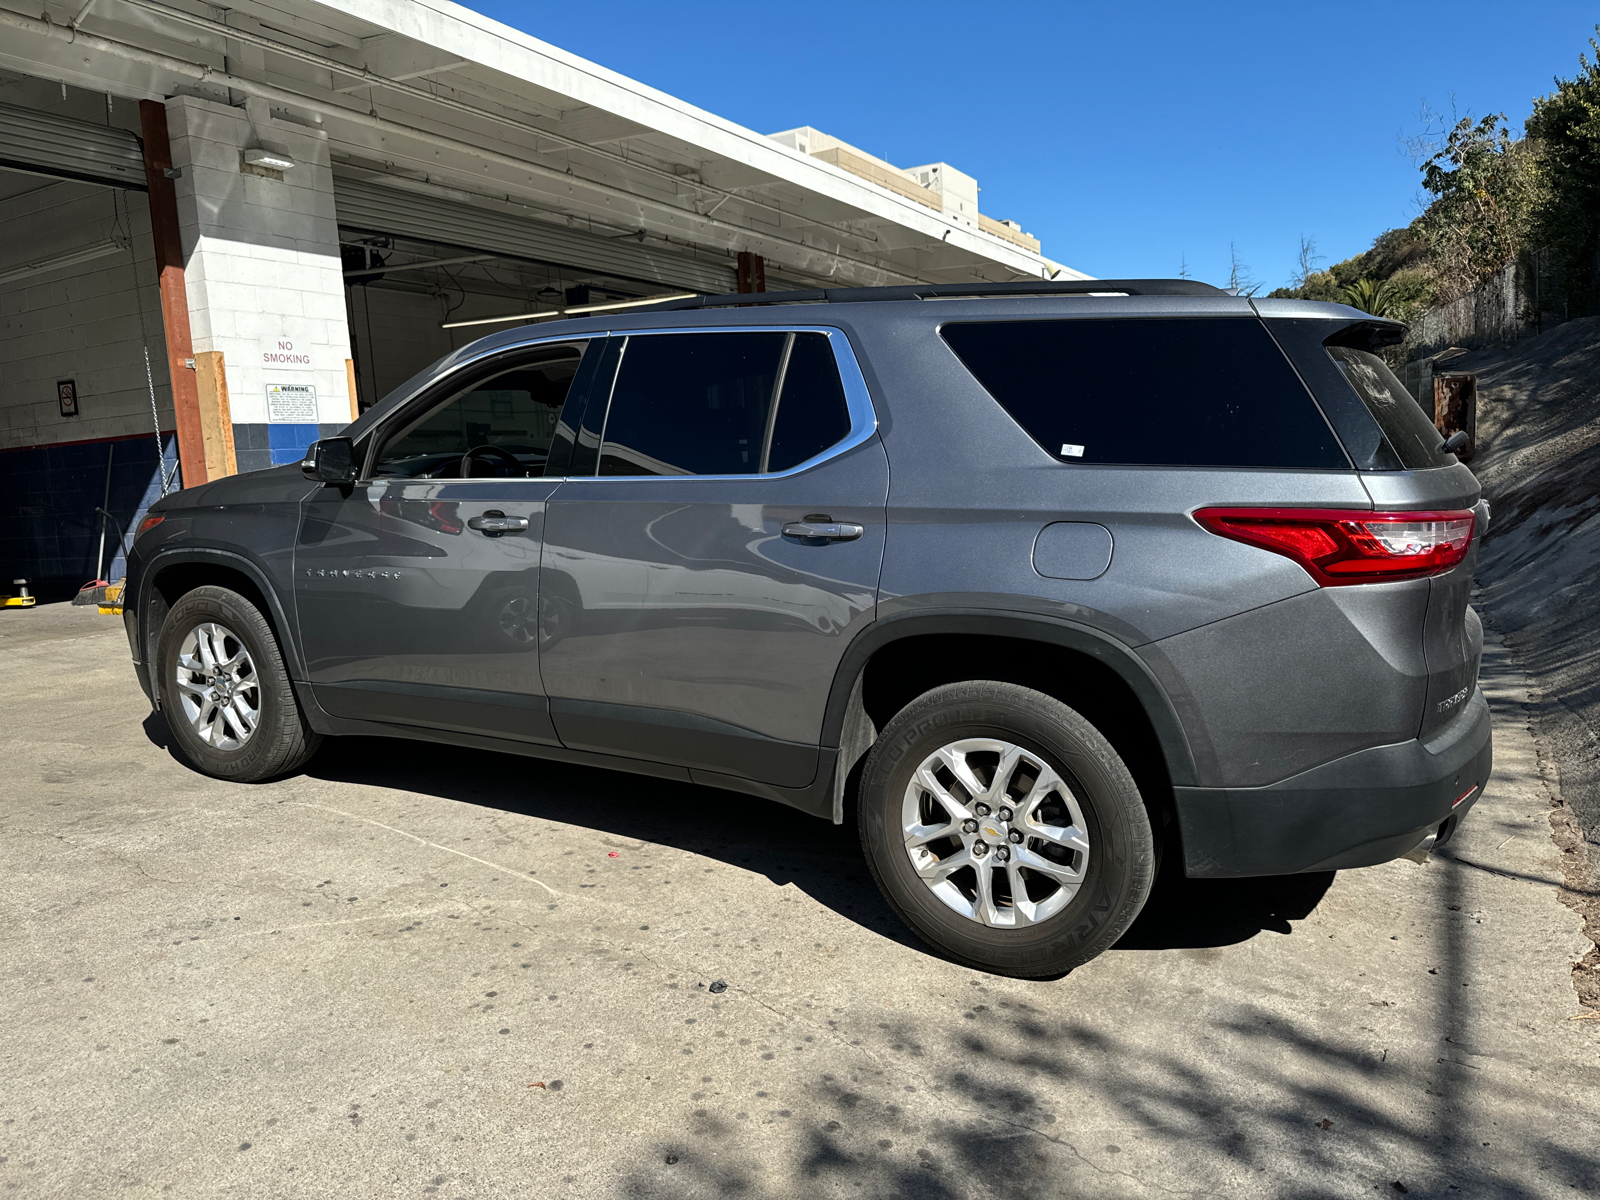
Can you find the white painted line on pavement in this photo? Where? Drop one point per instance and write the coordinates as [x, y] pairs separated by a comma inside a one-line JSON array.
[[511, 871]]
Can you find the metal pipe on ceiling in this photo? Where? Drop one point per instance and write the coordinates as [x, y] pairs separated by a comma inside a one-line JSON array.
[[417, 266], [70, 259], [210, 76]]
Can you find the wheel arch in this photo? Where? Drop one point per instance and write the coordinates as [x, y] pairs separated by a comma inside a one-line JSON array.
[[896, 659], [174, 573]]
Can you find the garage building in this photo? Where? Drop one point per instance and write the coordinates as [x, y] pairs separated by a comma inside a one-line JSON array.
[[224, 232]]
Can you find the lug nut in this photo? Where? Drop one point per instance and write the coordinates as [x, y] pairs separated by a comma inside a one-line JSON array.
[[981, 809], [1016, 836], [969, 826], [979, 849], [1004, 814], [1003, 854]]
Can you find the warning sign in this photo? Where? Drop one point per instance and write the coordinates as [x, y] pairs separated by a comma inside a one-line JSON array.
[[291, 404]]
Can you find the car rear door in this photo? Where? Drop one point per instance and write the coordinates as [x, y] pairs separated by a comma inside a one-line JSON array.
[[716, 547]]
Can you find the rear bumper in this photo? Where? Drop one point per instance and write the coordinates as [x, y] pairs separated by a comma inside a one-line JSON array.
[[1365, 808]]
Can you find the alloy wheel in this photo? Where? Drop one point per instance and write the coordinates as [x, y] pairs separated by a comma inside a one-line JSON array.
[[217, 686], [995, 832]]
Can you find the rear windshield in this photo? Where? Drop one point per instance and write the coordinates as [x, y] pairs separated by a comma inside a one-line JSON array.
[[1197, 392], [1415, 440]]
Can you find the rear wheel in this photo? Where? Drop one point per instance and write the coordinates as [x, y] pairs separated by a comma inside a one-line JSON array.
[[225, 692], [1004, 829]]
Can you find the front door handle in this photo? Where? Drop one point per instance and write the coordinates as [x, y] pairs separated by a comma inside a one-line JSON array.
[[824, 529], [496, 522]]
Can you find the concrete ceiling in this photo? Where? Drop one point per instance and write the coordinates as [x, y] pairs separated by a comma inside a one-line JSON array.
[[440, 95]]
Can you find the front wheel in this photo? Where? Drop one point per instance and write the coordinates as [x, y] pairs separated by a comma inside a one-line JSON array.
[[1004, 829], [225, 692]]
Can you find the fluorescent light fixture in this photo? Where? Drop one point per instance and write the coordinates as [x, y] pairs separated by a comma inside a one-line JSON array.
[[274, 159], [610, 306]]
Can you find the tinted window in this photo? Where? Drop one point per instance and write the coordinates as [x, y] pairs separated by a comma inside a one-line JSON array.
[[509, 416], [703, 404], [812, 414], [1413, 436], [1178, 392]]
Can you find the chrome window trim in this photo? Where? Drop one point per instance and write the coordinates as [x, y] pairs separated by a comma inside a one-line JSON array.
[[858, 401], [379, 431]]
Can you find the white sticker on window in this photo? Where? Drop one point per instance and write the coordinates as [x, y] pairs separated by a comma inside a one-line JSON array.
[[1069, 451]]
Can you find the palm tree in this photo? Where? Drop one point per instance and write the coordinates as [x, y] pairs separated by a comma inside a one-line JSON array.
[[1375, 296]]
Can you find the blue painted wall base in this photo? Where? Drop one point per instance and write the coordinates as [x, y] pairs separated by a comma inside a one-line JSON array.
[[49, 530], [259, 446]]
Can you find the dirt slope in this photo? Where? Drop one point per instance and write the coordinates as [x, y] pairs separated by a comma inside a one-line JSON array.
[[1539, 572]]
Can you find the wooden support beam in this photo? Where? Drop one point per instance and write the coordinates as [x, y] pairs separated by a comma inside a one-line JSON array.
[[752, 272], [174, 295], [216, 414]]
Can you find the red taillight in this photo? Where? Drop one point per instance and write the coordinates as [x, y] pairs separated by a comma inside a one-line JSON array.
[[1339, 546], [147, 524]]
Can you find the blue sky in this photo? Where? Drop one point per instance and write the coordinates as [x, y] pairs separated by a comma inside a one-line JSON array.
[[1127, 137]]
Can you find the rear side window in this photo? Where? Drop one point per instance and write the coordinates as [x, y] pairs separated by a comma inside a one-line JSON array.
[[722, 404], [1414, 438], [812, 414], [1163, 392]]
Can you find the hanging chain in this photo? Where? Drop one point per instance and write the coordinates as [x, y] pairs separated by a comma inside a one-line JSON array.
[[155, 419], [121, 223]]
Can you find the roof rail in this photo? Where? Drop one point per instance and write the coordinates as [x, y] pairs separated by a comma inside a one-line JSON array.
[[950, 291]]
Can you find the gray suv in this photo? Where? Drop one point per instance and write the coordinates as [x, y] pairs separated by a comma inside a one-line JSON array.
[[1034, 582]]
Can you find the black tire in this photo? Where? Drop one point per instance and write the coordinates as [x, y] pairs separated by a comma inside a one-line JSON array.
[[281, 741], [1121, 856]]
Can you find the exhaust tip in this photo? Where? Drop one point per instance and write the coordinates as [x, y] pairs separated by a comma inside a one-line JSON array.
[[1419, 853]]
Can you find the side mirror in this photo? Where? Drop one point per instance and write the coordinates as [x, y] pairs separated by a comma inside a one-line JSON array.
[[331, 460]]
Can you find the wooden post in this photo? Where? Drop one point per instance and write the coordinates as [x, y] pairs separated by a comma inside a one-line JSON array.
[[350, 383], [1455, 408], [216, 414], [752, 272], [174, 295]]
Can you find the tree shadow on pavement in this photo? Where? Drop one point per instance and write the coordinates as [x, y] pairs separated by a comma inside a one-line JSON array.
[[1323, 1116]]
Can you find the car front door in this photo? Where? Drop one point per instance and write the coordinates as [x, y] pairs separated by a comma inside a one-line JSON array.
[[417, 587], [716, 546]]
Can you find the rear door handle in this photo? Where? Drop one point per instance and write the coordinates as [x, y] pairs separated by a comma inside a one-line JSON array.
[[495, 522], [833, 531]]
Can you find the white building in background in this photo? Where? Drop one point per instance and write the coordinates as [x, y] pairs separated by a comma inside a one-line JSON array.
[[292, 206], [939, 186]]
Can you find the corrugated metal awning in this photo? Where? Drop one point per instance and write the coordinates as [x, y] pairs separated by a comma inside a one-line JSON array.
[[363, 205], [45, 143]]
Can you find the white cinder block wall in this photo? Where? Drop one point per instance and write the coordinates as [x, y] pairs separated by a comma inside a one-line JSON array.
[[89, 322], [262, 269]]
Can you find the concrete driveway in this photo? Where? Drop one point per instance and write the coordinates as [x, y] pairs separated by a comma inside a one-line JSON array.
[[426, 971]]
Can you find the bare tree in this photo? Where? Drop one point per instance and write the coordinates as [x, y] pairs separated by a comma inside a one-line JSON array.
[[1309, 258], [1432, 135], [1239, 277], [1433, 130]]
